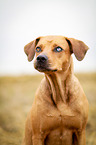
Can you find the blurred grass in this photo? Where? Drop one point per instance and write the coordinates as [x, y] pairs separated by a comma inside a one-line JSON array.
[[16, 97]]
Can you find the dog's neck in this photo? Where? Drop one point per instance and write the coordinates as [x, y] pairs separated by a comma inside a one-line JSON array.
[[59, 83]]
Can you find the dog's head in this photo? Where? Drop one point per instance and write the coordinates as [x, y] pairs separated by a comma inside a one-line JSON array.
[[53, 53]]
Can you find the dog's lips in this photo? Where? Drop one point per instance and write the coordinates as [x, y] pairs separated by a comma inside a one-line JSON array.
[[44, 68]]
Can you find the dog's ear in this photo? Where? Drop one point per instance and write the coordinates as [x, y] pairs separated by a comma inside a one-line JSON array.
[[77, 47], [30, 49]]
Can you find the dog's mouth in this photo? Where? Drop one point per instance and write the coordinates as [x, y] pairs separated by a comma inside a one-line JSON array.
[[43, 68]]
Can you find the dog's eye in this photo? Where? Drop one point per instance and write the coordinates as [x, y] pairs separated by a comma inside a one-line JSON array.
[[38, 49], [58, 49]]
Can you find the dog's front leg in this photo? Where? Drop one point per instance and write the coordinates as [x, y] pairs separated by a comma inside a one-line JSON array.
[[79, 138], [37, 140], [82, 138]]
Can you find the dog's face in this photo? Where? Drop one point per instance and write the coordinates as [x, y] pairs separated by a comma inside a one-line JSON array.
[[52, 53]]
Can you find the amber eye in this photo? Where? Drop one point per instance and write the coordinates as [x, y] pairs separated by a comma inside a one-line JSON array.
[[38, 49], [58, 49]]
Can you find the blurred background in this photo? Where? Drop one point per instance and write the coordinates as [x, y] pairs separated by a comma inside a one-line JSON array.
[[21, 21]]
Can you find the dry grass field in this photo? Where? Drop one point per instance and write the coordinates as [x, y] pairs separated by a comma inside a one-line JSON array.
[[16, 97]]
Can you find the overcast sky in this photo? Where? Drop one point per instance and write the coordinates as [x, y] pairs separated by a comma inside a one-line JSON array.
[[21, 21]]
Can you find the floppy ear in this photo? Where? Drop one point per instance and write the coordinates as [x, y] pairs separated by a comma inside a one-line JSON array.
[[30, 49], [78, 47]]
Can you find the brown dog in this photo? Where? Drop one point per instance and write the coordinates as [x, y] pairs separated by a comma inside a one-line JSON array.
[[60, 109]]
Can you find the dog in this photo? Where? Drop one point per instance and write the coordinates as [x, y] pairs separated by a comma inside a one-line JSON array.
[[59, 112]]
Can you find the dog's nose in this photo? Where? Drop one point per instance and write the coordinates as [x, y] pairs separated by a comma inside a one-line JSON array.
[[42, 58]]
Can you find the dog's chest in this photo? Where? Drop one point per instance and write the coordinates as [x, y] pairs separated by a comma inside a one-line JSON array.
[[59, 136], [58, 125], [61, 117]]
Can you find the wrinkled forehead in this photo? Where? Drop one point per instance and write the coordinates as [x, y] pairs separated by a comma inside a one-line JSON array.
[[50, 40]]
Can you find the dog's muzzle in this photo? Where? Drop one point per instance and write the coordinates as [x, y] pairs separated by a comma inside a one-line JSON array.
[[41, 63]]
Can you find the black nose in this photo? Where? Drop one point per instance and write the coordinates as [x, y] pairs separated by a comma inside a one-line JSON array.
[[42, 58]]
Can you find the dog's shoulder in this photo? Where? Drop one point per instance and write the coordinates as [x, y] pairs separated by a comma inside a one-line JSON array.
[[43, 89], [80, 99], [75, 85]]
